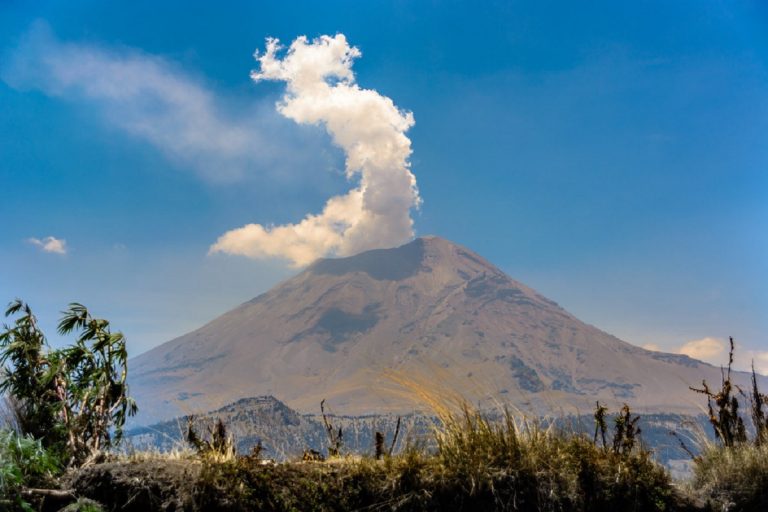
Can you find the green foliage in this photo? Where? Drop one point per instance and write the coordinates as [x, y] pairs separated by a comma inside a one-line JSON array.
[[32, 379], [74, 399], [83, 505], [95, 369], [23, 462]]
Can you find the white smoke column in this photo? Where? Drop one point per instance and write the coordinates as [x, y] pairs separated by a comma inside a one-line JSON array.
[[369, 128]]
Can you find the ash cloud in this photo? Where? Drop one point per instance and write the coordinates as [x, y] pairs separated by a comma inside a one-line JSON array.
[[370, 129]]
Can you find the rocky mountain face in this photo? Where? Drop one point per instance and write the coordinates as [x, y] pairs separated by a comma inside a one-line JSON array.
[[388, 331]]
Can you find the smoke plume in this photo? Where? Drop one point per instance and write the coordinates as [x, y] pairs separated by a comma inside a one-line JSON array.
[[321, 89]]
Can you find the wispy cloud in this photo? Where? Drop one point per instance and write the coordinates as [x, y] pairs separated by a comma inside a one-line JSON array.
[[760, 360], [715, 351], [50, 244], [705, 349], [321, 89], [152, 99]]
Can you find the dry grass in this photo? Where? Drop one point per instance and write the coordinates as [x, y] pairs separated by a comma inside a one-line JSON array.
[[478, 464], [733, 478], [471, 463], [517, 462], [131, 456], [474, 464]]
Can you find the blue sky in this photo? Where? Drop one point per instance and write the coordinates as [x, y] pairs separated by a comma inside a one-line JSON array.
[[611, 155]]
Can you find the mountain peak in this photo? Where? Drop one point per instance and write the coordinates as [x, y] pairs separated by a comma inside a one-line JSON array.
[[381, 264], [419, 255], [430, 309]]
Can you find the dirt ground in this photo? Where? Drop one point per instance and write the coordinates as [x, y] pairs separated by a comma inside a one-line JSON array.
[[166, 485]]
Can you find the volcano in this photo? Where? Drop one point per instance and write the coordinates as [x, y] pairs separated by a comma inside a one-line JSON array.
[[376, 332]]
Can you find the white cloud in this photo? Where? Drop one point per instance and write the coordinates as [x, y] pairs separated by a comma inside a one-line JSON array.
[[50, 244], [653, 347], [711, 350], [321, 89], [151, 99], [715, 351], [743, 359]]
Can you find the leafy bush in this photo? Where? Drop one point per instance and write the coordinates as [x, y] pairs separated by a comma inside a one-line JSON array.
[[23, 462], [30, 380], [75, 400]]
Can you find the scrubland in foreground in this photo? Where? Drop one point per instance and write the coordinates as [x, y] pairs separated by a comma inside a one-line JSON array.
[[69, 406], [477, 465]]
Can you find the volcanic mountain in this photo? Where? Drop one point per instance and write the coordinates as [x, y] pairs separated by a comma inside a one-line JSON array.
[[372, 333]]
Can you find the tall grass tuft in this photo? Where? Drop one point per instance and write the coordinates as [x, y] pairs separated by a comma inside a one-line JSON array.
[[732, 474], [219, 446], [734, 478], [518, 464]]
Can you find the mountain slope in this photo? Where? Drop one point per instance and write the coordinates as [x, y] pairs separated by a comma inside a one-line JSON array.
[[430, 313]]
